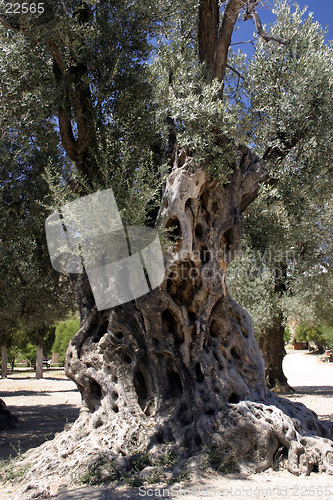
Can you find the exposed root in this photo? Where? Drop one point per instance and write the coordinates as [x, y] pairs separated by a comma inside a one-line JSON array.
[[248, 433]]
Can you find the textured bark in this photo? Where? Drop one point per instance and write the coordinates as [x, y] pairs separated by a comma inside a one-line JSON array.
[[4, 361], [181, 334], [230, 17], [75, 101], [179, 369], [208, 31]]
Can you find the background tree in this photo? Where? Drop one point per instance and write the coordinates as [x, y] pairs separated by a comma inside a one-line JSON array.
[[309, 333], [64, 332], [180, 365], [288, 229], [32, 295], [284, 272]]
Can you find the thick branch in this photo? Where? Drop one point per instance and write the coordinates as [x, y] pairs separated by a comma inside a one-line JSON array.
[[208, 17], [228, 24], [87, 141], [75, 95], [56, 54], [208, 31], [64, 114]]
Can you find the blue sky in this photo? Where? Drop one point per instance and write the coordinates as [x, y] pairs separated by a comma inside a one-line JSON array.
[[322, 10]]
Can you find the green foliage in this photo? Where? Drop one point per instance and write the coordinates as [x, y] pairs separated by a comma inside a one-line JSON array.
[[168, 460], [290, 87], [188, 103], [321, 335], [307, 332], [99, 471], [64, 332], [29, 352], [32, 294], [328, 336], [285, 267], [139, 64], [12, 355], [287, 335], [139, 462], [113, 42]]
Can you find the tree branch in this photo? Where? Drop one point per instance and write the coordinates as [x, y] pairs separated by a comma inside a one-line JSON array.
[[251, 13], [64, 113], [87, 144], [4, 21], [75, 95], [234, 70], [214, 44], [224, 39], [56, 54]]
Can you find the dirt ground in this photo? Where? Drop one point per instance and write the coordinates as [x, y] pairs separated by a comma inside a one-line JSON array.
[[45, 406]]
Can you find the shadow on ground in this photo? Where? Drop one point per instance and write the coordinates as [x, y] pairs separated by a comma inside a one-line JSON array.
[[326, 390], [36, 424], [10, 394], [112, 493]]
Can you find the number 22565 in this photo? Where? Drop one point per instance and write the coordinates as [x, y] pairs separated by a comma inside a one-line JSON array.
[[24, 8]]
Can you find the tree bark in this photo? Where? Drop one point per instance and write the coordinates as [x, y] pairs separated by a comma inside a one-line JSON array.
[[230, 17], [4, 360], [181, 364], [208, 31], [39, 358], [160, 347], [272, 348]]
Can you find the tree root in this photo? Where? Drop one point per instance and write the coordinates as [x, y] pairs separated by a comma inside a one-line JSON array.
[[248, 433]]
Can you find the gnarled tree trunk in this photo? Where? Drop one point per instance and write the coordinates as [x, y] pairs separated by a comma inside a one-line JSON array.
[[179, 367]]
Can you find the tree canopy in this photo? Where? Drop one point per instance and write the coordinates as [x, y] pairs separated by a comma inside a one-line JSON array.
[[151, 100]]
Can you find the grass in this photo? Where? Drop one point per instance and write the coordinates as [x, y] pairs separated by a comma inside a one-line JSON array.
[[216, 460], [98, 472], [103, 471], [10, 469]]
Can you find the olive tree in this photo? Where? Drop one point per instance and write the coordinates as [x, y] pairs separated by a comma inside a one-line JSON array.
[[137, 87]]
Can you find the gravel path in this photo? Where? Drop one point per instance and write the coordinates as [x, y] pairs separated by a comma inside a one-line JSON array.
[[312, 380], [44, 406]]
